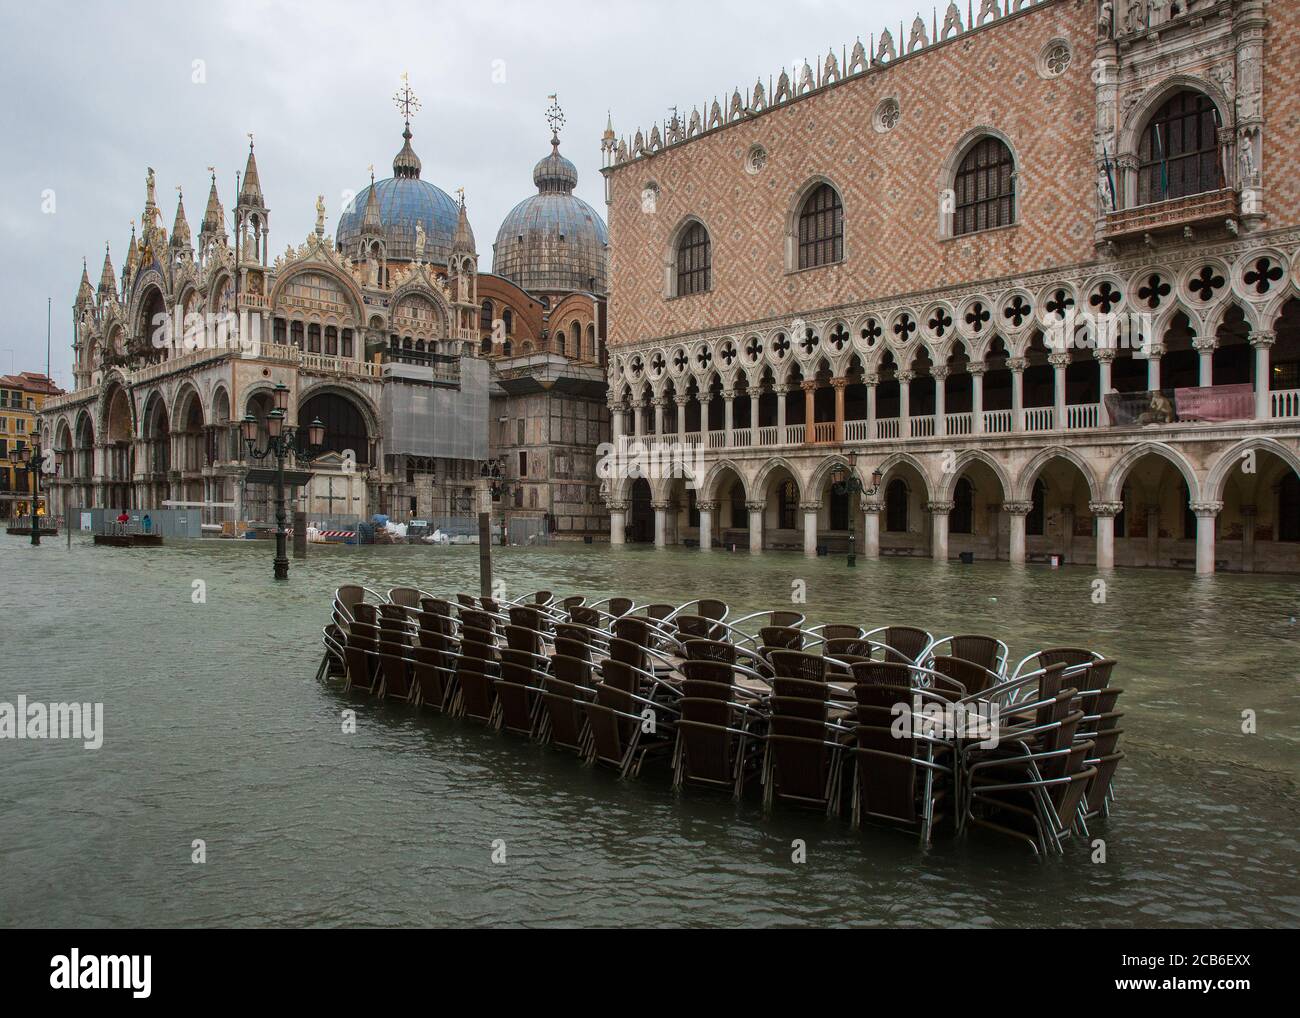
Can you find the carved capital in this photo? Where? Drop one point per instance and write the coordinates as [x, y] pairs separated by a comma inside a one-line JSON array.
[[681, 400], [905, 376], [1206, 509], [616, 505], [808, 385], [839, 383], [1105, 354], [940, 508], [1018, 508], [661, 505], [870, 379], [781, 389], [707, 506], [810, 507], [1203, 344], [1111, 509], [1059, 359], [873, 507], [755, 507], [1262, 339], [1017, 364], [975, 369], [940, 373], [728, 394]]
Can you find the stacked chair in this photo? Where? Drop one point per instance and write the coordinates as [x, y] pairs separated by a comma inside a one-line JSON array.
[[887, 726]]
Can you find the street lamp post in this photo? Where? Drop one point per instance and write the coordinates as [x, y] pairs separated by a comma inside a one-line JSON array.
[[845, 481], [283, 440], [29, 459], [492, 486]]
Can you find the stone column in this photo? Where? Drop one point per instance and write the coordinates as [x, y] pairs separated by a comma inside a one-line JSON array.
[[681, 402], [1248, 514], [840, 384], [661, 522], [809, 410], [617, 522], [940, 376], [755, 525], [1104, 359], [728, 404], [871, 529], [1153, 535], [871, 381], [976, 372], [780, 391], [658, 403], [905, 403], [1058, 361], [1262, 342], [1017, 511], [638, 419], [707, 509], [810, 510], [1204, 346], [939, 533], [1017, 367], [1154, 353], [1067, 533], [1207, 514], [1104, 513]]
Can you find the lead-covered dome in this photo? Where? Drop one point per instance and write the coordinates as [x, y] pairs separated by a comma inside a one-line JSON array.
[[404, 200], [553, 240]]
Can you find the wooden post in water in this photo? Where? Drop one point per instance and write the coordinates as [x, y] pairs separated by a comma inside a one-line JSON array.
[[484, 539], [299, 534]]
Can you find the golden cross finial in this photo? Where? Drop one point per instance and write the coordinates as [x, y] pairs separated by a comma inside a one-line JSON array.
[[250, 139], [405, 100], [554, 116]]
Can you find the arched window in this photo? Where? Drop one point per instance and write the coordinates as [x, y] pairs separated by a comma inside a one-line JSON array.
[[984, 188], [508, 320], [739, 511], [591, 342], [331, 340], [575, 333], [821, 228], [1179, 151], [694, 261], [559, 339], [896, 507], [485, 316], [961, 519], [313, 338], [787, 505], [1288, 508], [1034, 521], [295, 330]]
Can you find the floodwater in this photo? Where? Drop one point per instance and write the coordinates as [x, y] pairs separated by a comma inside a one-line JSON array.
[[215, 730]]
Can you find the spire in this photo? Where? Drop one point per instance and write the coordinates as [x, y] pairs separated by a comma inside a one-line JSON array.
[[463, 241], [609, 127], [181, 226], [85, 293], [250, 191], [371, 223], [132, 253], [214, 216], [107, 279]]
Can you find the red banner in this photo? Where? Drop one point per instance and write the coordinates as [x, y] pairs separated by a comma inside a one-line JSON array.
[[1215, 402]]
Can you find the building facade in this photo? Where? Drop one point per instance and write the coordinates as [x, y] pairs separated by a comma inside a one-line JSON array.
[[385, 331], [22, 397], [1039, 266]]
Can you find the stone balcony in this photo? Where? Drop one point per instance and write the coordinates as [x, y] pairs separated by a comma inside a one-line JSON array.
[[1212, 208]]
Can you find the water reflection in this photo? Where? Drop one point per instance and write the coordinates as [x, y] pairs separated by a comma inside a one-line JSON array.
[[215, 730]]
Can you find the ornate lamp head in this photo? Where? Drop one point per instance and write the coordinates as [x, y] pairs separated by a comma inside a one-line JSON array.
[[316, 434]]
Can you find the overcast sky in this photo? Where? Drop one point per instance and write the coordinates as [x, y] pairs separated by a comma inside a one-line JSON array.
[[95, 93]]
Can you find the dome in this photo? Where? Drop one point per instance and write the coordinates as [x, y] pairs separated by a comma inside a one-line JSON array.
[[404, 200], [553, 241]]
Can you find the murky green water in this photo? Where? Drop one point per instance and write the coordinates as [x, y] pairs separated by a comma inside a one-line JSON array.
[[215, 730]]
